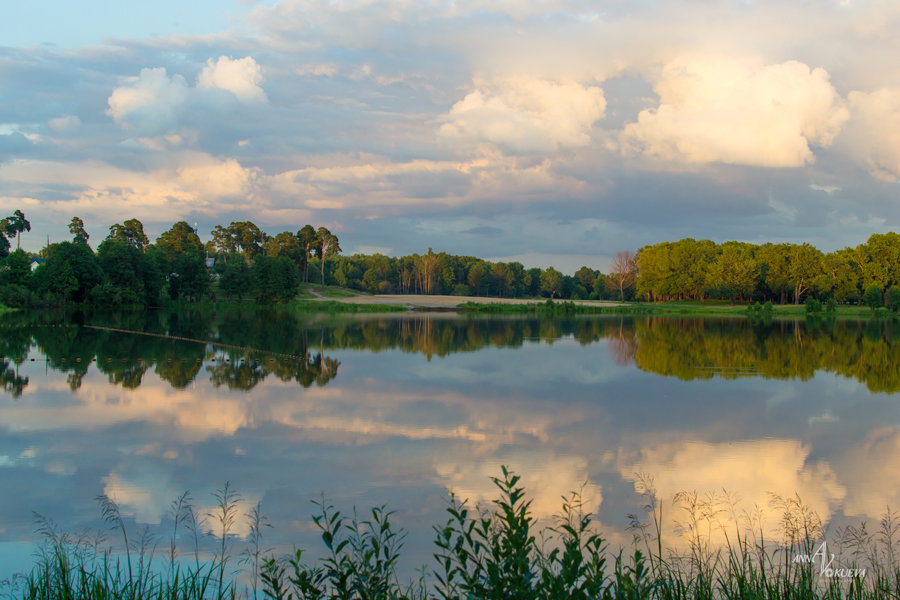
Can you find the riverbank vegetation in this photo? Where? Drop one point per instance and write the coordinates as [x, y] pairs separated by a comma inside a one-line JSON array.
[[241, 261], [240, 347], [496, 551]]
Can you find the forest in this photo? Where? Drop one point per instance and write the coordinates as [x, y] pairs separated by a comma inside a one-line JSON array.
[[241, 261]]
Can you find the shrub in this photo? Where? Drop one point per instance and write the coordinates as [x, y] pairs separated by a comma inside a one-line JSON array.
[[813, 306], [872, 296]]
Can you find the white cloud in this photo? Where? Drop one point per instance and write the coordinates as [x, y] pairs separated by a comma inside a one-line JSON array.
[[525, 115], [873, 134], [738, 112], [155, 103], [544, 475], [149, 102], [241, 77], [747, 471]]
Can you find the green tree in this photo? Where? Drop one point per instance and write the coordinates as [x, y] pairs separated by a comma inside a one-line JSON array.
[[131, 232], [248, 238], [478, 278], [872, 296], [15, 225], [180, 239], [236, 280], [76, 228], [735, 271], [586, 277], [275, 278], [306, 237], [774, 263], [805, 265], [15, 269], [892, 298], [70, 272], [327, 245], [182, 255], [840, 276], [4, 243], [223, 241], [131, 275], [552, 282]]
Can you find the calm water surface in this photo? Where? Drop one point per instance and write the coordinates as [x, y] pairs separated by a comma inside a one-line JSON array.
[[398, 410]]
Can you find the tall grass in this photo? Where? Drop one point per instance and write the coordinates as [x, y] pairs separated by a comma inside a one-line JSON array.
[[497, 551]]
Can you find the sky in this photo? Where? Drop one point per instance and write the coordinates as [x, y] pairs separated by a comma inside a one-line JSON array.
[[553, 132]]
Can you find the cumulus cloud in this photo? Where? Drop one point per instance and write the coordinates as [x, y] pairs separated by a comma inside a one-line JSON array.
[[156, 103], [544, 475], [873, 134], [150, 102], [524, 115], [738, 112], [240, 77], [749, 471]]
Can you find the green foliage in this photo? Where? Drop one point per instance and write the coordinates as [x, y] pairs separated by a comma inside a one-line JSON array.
[[480, 553], [236, 280], [15, 296], [15, 269], [892, 298], [813, 306], [76, 229], [131, 276], [274, 279], [70, 272], [872, 296], [130, 232]]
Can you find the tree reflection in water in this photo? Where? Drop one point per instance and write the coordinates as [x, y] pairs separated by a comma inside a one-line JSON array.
[[240, 349]]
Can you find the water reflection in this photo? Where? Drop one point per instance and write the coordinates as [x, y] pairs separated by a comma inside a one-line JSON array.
[[248, 347], [423, 404]]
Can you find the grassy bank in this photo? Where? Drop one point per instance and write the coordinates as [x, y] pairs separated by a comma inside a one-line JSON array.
[[682, 308], [334, 306], [546, 307], [496, 552]]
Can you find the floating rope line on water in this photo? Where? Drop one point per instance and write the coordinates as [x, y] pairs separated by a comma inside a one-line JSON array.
[[194, 340]]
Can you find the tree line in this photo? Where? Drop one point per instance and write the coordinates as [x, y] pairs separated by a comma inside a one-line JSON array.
[[692, 269], [246, 262], [127, 269]]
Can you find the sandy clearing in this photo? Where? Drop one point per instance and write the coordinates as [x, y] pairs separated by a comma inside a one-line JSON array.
[[427, 301]]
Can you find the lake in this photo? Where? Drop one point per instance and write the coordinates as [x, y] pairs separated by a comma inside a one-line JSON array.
[[398, 409]]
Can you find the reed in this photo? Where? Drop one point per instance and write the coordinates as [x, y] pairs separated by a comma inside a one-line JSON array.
[[497, 551]]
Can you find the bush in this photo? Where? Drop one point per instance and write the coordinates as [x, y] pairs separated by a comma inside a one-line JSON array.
[[813, 306], [872, 296], [15, 296], [461, 289], [831, 305], [892, 298]]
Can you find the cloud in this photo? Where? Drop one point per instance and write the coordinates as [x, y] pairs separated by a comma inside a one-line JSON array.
[[65, 125], [193, 182], [871, 471], [523, 115], [748, 471], [544, 475], [873, 134], [241, 77], [155, 103], [150, 102], [738, 112]]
